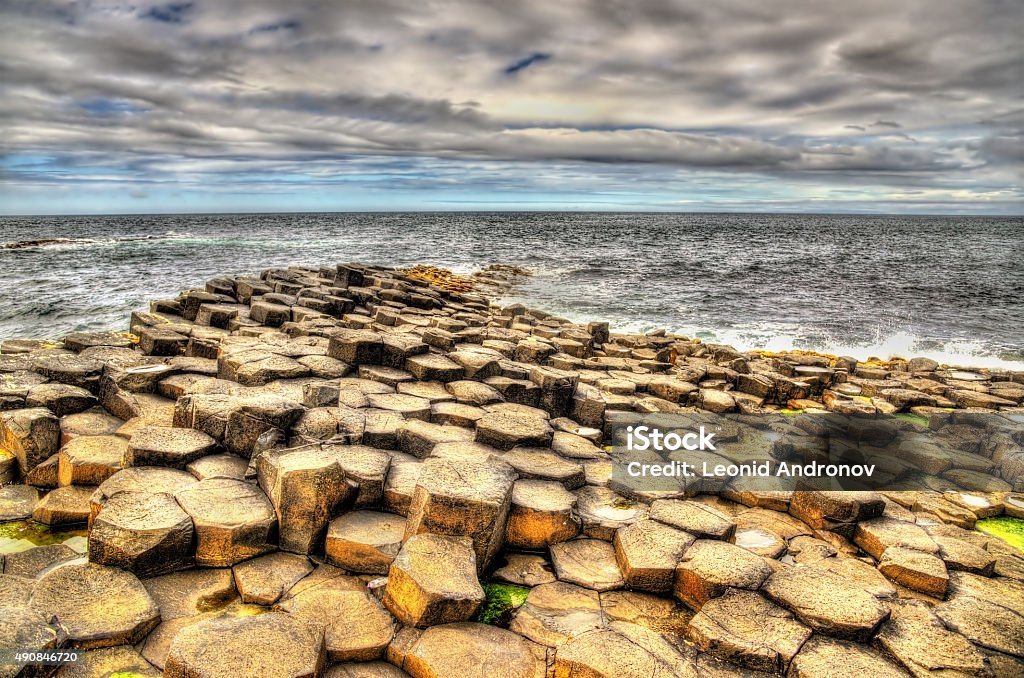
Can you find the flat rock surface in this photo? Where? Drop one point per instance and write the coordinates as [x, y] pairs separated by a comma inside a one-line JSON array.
[[99, 606], [17, 501], [273, 645], [264, 579], [468, 649], [587, 562], [233, 520], [365, 541], [827, 603], [553, 613], [709, 568], [146, 533]]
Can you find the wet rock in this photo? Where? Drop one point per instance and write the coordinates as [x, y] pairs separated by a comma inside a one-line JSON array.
[[827, 603], [190, 593], [525, 569], [587, 562], [64, 506], [61, 399], [233, 521], [274, 645], [822, 657], [433, 581], [542, 513], [744, 628], [89, 460], [263, 580], [17, 502], [305, 485], [647, 553], [467, 649], [506, 431], [603, 511], [145, 533], [916, 570], [709, 568], [553, 613], [700, 520], [920, 642], [172, 447], [465, 497], [98, 606], [364, 541], [31, 434]]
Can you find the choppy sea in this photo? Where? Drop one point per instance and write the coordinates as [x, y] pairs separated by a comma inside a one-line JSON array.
[[951, 288]]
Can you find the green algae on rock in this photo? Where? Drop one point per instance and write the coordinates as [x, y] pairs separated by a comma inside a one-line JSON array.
[[501, 600], [1010, 530], [21, 535]]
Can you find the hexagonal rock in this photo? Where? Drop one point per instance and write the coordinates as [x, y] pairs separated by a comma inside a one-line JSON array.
[[33, 561], [366, 470], [473, 392], [233, 521], [263, 580], [273, 645], [525, 569], [377, 669], [94, 422], [162, 446], [829, 510], [356, 347], [603, 511], [827, 603], [608, 654], [554, 613], [408, 406], [505, 431], [111, 661], [17, 502], [68, 369], [61, 399], [924, 646], [150, 479], [31, 434], [709, 568], [744, 628], [434, 367], [465, 497], [988, 612], [647, 553], [99, 606], [30, 631], [218, 466], [305, 485], [64, 506], [542, 464], [433, 581], [878, 534], [189, 593], [357, 627], [916, 570], [364, 541], [89, 460], [700, 520], [542, 513], [822, 657], [468, 649], [587, 562], [145, 533], [419, 438]]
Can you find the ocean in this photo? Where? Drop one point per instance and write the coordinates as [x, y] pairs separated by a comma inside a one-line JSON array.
[[951, 288]]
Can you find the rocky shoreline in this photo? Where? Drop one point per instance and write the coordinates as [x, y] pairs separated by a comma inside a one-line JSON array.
[[346, 471]]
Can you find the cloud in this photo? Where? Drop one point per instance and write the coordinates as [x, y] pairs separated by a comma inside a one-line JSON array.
[[923, 93]]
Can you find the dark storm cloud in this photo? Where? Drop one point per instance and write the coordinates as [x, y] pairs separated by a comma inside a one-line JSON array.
[[921, 92]]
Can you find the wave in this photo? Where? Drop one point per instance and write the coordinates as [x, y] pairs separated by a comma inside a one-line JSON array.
[[60, 243]]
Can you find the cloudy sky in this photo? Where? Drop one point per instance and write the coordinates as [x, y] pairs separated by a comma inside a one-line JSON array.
[[759, 105]]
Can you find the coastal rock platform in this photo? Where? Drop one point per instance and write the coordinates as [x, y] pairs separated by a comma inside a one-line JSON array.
[[363, 471]]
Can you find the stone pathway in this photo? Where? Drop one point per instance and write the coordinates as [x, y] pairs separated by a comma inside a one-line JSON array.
[[333, 471]]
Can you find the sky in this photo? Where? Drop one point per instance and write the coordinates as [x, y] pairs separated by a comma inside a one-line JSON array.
[[908, 106]]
